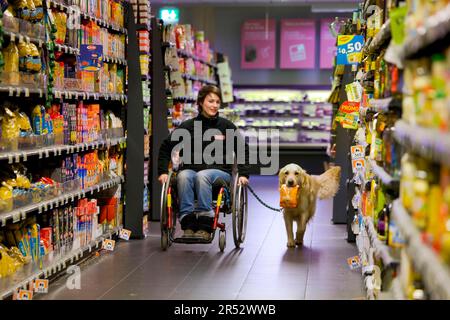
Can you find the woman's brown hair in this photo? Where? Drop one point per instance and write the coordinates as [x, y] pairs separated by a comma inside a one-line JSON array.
[[204, 92]]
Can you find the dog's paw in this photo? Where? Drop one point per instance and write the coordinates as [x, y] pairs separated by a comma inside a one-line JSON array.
[[291, 244], [299, 243]]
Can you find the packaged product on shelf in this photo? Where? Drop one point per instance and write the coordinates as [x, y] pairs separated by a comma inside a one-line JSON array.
[[38, 13], [61, 26], [10, 73]]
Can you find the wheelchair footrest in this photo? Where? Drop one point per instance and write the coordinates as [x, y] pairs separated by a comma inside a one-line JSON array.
[[192, 240]]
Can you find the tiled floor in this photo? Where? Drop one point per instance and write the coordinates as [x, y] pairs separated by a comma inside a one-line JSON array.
[[264, 268]]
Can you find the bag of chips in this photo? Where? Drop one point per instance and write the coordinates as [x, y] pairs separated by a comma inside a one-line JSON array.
[[289, 196]]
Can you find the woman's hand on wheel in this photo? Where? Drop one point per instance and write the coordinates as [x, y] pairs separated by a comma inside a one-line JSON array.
[[243, 181], [163, 178]]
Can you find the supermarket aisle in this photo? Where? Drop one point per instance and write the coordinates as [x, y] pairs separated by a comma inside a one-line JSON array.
[[263, 269]]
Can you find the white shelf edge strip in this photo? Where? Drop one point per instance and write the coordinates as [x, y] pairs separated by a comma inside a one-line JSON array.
[[435, 274], [381, 250], [381, 173], [46, 270], [65, 147], [46, 203], [430, 143]]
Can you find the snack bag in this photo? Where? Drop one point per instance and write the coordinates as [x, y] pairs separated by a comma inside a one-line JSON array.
[[288, 196]]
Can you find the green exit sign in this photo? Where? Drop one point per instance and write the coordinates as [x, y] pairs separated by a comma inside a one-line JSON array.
[[169, 15]]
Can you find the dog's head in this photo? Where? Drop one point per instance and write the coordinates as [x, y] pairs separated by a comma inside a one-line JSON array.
[[292, 175]]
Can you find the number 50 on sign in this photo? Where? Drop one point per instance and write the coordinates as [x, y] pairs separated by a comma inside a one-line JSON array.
[[349, 49]]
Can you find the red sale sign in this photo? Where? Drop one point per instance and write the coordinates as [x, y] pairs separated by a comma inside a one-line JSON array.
[[258, 44], [327, 45], [298, 44]]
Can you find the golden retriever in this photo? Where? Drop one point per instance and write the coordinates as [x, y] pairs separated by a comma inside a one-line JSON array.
[[310, 188]]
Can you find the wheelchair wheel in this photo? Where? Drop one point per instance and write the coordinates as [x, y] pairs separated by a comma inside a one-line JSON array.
[[164, 239], [167, 222], [222, 241], [239, 215]]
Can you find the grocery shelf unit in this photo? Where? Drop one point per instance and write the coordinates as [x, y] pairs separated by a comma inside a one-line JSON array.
[[46, 93], [304, 122], [343, 139]]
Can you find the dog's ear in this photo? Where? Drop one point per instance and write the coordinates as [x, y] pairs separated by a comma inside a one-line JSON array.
[[281, 178]]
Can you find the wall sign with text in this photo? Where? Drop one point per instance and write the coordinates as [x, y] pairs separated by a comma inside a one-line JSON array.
[[258, 44], [298, 44]]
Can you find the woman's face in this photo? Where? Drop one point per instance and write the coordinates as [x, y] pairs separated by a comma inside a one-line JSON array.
[[210, 105]]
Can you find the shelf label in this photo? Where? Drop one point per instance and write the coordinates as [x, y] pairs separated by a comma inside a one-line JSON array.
[[17, 158], [27, 92], [108, 244], [25, 295], [354, 262], [41, 286], [10, 158], [18, 92], [11, 91], [16, 217], [125, 234]]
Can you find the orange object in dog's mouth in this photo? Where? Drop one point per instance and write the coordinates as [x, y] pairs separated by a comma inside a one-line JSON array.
[[289, 196]]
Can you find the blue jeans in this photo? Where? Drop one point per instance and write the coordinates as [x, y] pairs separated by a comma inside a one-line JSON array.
[[191, 184]]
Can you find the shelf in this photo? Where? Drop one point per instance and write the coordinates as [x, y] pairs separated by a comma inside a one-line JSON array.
[[167, 44], [100, 22], [195, 78], [430, 38], [381, 250], [185, 54], [51, 265], [21, 213], [435, 275], [431, 144], [385, 177], [66, 49], [380, 40], [185, 99], [382, 105], [115, 60], [143, 26], [16, 156], [17, 91], [22, 38], [68, 94]]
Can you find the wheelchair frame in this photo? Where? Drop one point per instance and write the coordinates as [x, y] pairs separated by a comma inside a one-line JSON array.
[[239, 211]]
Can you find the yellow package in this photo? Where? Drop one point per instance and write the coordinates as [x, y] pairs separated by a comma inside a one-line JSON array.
[[289, 196], [10, 127], [11, 66], [38, 13]]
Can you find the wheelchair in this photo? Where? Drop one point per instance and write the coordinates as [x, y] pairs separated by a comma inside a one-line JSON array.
[[228, 198]]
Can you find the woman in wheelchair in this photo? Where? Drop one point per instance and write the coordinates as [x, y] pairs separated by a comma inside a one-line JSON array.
[[196, 176]]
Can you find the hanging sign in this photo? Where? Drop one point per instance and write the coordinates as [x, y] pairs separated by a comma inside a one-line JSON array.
[[258, 44], [327, 45], [298, 44], [348, 115], [349, 49]]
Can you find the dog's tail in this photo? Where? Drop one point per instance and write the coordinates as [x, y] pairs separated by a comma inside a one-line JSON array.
[[329, 182]]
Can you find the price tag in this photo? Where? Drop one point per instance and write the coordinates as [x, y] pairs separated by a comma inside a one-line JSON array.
[[354, 262], [87, 96], [17, 158], [349, 49], [125, 234], [41, 286], [10, 158], [76, 95], [66, 95], [70, 95], [45, 206], [66, 49], [27, 39], [18, 92], [13, 37], [46, 153], [27, 92], [25, 295], [11, 91], [72, 198], [24, 157], [50, 205], [16, 217], [20, 38], [40, 209], [40, 93]]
